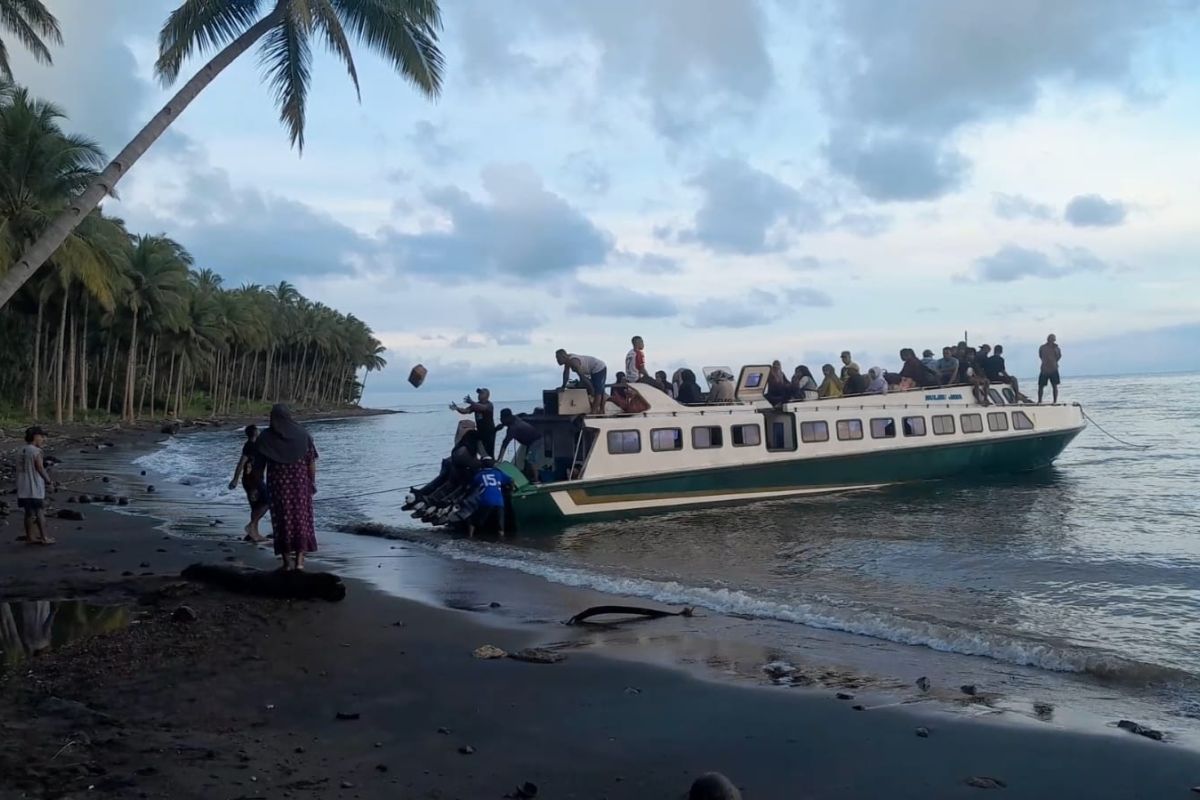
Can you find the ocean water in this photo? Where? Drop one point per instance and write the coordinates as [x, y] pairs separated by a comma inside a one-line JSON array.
[[1078, 584]]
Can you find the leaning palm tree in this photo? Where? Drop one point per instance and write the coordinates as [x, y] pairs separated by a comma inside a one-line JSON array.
[[404, 32], [32, 23]]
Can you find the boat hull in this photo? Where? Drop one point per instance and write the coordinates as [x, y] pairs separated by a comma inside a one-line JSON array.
[[581, 501]]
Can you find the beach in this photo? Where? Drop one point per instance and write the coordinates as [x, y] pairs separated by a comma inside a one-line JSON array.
[[381, 696]]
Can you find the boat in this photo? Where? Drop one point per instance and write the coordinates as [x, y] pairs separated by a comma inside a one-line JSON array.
[[666, 456]]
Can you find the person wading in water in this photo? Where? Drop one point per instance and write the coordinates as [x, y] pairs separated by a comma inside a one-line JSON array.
[[256, 488], [287, 453]]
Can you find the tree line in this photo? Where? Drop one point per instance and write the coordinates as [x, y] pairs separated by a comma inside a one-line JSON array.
[[120, 322]]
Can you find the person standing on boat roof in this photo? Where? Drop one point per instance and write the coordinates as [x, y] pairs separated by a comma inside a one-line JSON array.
[[635, 362], [485, 420], [1049, 354], [592, 374], [847, 362]]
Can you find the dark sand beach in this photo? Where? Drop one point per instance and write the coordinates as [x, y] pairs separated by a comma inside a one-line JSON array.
[[244, 701]]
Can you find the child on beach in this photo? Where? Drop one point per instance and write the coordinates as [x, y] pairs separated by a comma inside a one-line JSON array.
[[256, 488], [31, 486]]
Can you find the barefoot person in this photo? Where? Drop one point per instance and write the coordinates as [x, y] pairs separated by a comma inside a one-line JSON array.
[[286, 451], [256, 489], [32, 479]]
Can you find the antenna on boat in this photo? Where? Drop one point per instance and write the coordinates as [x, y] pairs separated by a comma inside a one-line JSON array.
[[965, 339]]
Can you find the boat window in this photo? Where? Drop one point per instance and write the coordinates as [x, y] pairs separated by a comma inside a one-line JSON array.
[[914, 426], [815, 431], [707, 437], [1010, 396], [849, 429], [997, 421], [883, 428], [781, 431], [972, 423], [624, 442], [666, 439], [746, 435], [943, 424], [997, 398], [1021, 421]]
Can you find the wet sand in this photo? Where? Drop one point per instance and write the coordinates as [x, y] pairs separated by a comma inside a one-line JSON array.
[[243, 702]]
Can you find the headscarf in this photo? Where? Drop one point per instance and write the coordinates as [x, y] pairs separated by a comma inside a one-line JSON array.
[[285, 441], [878, 383]]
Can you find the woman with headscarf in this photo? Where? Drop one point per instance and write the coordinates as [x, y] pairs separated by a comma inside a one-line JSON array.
[[878, 383], [287, 452], [832, 385], [804, 385], [778, 385], [689, 390]]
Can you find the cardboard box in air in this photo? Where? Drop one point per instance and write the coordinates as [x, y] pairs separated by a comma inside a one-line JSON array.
[[417, 376], [573, 401]]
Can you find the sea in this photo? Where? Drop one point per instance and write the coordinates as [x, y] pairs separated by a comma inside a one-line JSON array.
[[1066, 597]]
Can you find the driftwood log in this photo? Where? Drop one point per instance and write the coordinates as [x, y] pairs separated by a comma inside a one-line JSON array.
[[297, 585], [634, 611]]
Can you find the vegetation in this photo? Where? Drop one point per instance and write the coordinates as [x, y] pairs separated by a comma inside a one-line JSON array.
[[404, 32], [124, 323], [32, 24]]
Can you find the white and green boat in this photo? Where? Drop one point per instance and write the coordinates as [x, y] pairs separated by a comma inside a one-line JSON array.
[[672, 456]]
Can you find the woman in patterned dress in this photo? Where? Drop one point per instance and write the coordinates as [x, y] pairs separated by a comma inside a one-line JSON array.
[[286, 451]]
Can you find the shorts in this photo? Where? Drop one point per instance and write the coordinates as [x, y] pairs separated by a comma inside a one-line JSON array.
[[1048, 377], [257, 496], [31, 504], [488, 519], [598, 380]]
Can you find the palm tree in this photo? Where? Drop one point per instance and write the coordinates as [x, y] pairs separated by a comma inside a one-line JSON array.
[[158, 268], [404, 32], [31, 23]]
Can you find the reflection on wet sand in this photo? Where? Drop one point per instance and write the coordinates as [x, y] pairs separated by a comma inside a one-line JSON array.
[[30, 627]]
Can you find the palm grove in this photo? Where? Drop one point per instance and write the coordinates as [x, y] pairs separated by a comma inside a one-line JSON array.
[[95, 317]]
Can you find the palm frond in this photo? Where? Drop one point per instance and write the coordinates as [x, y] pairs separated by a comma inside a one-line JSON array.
[[286, 59], [326, 21], [12, 20], [5, 68], [198, 27], [405, 32], [36, 13]]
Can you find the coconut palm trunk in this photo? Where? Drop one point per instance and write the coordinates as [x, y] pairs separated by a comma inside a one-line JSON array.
[[58, 363], [130, 372], [37, 358], [57, 232]]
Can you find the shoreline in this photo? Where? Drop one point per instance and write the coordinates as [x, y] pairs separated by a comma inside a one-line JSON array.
[[592, 725]]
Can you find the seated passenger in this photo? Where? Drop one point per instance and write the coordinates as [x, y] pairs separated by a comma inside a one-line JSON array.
[[947, 367], [928, 360], [778, 386], [847, 362], [973, 376], [996, 372], [804, 386], [916, 373], [855, 383], [831, 386], [660, 378], [689, 390], [515, 427], [878, 384], [489, 485], [722, 389], [626, 398]]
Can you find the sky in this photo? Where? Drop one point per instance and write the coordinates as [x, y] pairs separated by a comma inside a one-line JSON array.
[[734, 180]]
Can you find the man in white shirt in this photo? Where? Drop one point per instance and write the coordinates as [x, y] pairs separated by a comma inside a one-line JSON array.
[[592, 374], [31, 486], [635, 362]]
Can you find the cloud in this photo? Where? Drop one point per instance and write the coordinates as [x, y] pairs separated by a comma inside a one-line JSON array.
[[429, 140], [503, 324], [691, 69], [1016, 206], [921, 71], [756, 307], [1012, 263], [897, 166], [521, 230], [590, 176], [618, 301], [1092, 210], [747, 211], [244, 233]]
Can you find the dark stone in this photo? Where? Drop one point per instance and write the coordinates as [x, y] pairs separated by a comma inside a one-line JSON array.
[[536, 655], [444, 731], [122, 501], [1140, 730], [923, 683], [108, 498], [143, 472], [104, 479], [170, 429], [150, 489], [70, 499], [184, 614], [83, 498], [381, 767], [713, 786], [923, 732], [144, 565], [858, 708], [969, 689], [347, 716], [493, 604], [467, 750], [844, 696], [984, 782], [69, 513]]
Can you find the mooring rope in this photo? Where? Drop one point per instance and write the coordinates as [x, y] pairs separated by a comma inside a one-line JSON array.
[[1116, 439]]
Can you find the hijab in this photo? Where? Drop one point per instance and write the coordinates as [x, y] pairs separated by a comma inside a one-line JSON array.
[[285, 441], [878, 383]]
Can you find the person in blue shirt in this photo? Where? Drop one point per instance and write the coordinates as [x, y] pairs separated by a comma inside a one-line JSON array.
[[488, 487]]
